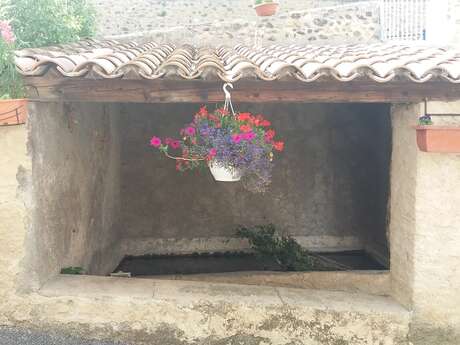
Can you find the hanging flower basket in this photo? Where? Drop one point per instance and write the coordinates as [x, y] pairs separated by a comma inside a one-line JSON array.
[[222, 173], [266, 8], [439, 139], [13, 112], [232, 145]]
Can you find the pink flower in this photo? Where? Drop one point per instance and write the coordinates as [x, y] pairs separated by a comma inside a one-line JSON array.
[[249, 136], [212, 152], [175, 144], [6, 32], [190, 131], [236, 138], [168, 141], [155, 142]]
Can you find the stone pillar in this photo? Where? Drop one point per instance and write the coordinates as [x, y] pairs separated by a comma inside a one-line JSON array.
[[425, 229], [14, 171]]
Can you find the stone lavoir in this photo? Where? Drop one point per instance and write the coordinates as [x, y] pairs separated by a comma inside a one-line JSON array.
[[81, 187]]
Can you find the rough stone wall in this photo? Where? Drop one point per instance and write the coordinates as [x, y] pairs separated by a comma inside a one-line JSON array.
[[233, 22], [425, 218], [329, 186], [76, 202]]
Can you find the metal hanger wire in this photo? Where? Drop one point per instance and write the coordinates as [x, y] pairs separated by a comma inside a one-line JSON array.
[[228, 98]]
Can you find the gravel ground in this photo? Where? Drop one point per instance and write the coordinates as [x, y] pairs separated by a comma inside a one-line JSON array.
[[15, 336]]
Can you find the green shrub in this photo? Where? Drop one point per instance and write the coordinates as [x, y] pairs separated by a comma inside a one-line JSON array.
[[284, 250], [38, 23], [10, 80]]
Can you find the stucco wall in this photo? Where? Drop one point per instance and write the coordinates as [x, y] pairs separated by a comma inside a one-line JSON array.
[[329, 186], [425, 218], [232, 22], [75, 188]]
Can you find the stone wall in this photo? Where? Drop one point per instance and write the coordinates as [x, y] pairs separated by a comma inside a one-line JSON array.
[[75, 189], [232, 22], [329, 186]]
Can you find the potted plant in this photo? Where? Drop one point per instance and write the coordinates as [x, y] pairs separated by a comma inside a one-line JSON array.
[[265, 8], [441, 139], [233, 147], [13, 108]]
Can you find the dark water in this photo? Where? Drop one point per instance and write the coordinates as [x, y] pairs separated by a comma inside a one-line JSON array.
[[229, 262]]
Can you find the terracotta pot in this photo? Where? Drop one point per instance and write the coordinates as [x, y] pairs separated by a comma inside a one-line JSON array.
[[223, 174], [13, 112], [438, 139], [267, 9]]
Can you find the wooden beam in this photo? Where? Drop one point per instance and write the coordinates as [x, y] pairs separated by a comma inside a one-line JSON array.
[[179, 91]]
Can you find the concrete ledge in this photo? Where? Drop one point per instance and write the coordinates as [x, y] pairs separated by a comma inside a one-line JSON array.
[[164, 246], [183, 313], [370, 282]]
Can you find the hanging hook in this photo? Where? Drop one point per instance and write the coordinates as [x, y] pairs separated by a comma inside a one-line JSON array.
[[227, 93], [228, 98]]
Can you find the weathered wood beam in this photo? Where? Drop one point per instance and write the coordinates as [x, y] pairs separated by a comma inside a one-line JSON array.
[[179, 91]]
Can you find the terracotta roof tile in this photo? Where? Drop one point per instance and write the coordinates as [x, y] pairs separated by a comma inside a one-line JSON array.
[[381, 62]]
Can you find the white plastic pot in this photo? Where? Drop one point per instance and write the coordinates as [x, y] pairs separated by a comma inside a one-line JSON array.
[[224, 174]]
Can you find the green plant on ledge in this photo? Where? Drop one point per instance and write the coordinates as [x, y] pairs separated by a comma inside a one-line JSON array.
[[73, 270], [284, 250]]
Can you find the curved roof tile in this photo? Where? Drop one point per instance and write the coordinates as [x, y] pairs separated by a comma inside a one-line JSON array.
[[381, 62]]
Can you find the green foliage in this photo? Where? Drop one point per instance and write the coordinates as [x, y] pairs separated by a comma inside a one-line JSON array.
[[425, 120], [259, 2], [39, 23], [285, 250], [10, 80], [73, 270]]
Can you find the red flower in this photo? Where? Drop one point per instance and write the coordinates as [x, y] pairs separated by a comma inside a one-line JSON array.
[[265, 123], [278, 146], [245, 128], [269, 135], [203, 111], [244, 116]]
